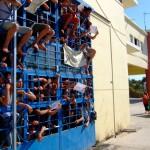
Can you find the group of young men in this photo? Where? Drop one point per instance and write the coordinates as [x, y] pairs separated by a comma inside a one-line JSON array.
[[38, 119], [68, 17], [44, 32]]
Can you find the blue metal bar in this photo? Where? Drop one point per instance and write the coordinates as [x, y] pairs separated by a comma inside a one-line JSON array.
[[14, 83]]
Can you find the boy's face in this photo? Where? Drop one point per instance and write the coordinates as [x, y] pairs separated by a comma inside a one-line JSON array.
[[88, 13], [20, 83], [8, 78], [67, 82]]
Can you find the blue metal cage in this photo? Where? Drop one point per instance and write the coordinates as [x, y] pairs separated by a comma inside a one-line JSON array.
[[66, 135]]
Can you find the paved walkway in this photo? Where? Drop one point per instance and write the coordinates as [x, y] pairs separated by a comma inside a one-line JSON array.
[[138, 140]]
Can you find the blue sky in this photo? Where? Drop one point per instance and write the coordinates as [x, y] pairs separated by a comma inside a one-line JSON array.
[[136, 77], [137, 13]]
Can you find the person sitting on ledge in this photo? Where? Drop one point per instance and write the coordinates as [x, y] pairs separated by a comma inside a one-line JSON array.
[[89, 53], [12, 27], [45, 32], [68, 15]]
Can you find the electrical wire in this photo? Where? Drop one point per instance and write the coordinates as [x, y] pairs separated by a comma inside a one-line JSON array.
[[110, 23]]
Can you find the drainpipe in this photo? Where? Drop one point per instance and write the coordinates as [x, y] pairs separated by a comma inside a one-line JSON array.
[[14, 84], [112, 82]]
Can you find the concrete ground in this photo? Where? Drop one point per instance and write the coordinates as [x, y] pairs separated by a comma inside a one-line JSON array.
[[138, 139]]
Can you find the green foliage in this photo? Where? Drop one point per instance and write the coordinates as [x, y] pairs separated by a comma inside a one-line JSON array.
[[136, 88], [135, 94]]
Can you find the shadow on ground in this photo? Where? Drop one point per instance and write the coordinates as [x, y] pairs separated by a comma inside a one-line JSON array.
[[142, 115], [101, 147], [138, 114]]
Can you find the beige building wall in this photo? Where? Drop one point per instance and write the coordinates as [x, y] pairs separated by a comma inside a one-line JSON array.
[[110, 68], [137, 50]]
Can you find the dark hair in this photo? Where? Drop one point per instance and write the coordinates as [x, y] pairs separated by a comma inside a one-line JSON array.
[[88, 9]]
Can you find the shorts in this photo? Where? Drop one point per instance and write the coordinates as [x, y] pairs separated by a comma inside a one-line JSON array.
[[64, 17], [73, 20], [21, 29], [38, 27]]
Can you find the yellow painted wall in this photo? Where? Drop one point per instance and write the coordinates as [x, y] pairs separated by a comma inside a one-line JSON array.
[[110, 75], [138, 60]]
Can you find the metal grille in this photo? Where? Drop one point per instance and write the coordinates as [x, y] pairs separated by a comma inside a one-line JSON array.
[[44, 64]]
